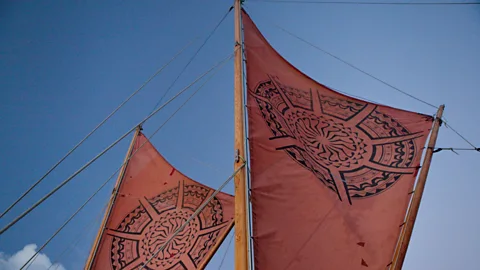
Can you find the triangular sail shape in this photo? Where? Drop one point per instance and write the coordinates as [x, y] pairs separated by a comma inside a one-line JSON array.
[[331, 176], [154, 200]]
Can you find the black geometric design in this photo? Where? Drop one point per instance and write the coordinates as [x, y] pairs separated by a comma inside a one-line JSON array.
[[347, 145], [149, 226]]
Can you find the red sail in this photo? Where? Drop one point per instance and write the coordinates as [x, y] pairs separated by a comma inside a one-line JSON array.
[[154, 200], [331, 175]]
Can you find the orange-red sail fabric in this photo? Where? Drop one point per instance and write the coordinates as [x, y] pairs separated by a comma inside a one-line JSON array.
[[330, 174], [154, 200]]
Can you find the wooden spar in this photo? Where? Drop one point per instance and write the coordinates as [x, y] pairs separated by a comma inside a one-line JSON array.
[[214, 249], [94, 249], [241, 238], [417, 196], [399, 241]]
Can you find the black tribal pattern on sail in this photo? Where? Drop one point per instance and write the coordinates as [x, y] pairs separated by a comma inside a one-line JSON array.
[[350, 146], [149, 226]]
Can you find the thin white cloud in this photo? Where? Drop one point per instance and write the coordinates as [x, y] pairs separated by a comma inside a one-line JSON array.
[[17, 260]]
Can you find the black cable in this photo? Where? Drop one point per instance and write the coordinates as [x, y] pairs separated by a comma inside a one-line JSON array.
[[193, 57], [367, 3]]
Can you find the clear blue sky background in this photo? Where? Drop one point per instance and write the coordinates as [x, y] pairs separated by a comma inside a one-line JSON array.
[[65, 65]]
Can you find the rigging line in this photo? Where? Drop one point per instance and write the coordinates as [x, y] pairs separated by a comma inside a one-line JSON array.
[[199, 209], [458, 149], [367, 3], [95, 129], [352, 95], [460, 135], [66, 223], [226, 252], [108, 180], [80, 236], [247, 154], [358, 69], [436, 150], [108, 148], [193, 57], [206, 164]]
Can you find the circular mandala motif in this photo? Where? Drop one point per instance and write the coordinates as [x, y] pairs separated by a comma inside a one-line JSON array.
[[330, 142], [151, 226], [343, 142], [157, 234]]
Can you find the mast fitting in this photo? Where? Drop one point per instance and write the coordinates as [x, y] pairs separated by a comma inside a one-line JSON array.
[[237, 155]]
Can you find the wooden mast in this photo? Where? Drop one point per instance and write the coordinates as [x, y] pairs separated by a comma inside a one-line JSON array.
[[241, 237], [94, 249], [417, 196]]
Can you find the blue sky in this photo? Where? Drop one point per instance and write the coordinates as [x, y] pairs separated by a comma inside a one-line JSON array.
[[65, 65]]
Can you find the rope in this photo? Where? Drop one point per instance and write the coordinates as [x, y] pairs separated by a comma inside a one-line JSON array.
[[80, 236], [91, 132], [108, 180], [460, 135], [64, 224], [356, 68], [247, 153], [200, 208], [108, 148], [193, 57], [367, 3], [226, 252]]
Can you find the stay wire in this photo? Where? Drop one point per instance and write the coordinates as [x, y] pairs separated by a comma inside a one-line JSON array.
[[247, 153], [193, 57], [108, 148], [77, 240], [95, 129], [199, 209], [456, 132], [226, 251], [367, 3], [111, 177], [356, 68]]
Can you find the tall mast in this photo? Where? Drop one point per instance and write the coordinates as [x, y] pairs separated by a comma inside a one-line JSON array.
[[417, 196], [241, 237], [88, 264]]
